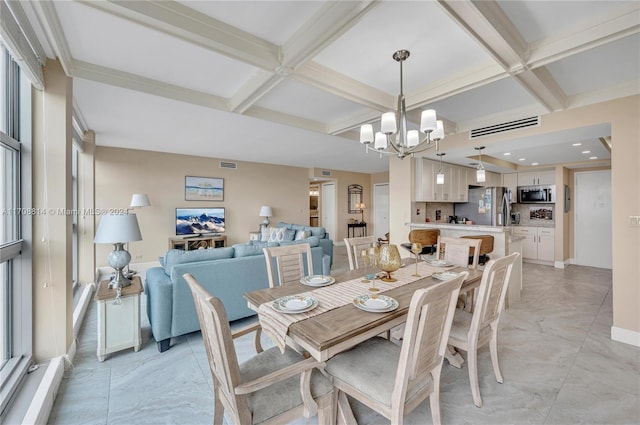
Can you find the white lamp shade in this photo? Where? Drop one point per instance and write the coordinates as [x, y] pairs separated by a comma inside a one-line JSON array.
[[428, 121], [480, 175], [266, 212], [440, 178], [381, 141], [118, 228], [413, 138], [438, 133], [366, 134], [139, 200], [388, 123]]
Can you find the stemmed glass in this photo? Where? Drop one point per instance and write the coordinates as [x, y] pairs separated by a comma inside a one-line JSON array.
[[364, 255], [374, 256], [416, 248]]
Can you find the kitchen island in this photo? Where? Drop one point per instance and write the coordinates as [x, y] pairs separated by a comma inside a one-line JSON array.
[[504, 243]]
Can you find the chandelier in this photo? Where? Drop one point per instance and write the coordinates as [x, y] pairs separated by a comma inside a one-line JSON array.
[[395, 124]]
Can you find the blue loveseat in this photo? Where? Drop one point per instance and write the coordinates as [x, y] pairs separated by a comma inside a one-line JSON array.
[[227, 273], [325, 242]]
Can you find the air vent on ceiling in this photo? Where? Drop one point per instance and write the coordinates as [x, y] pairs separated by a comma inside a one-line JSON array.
[[505, 126], [225, 164], [325, 173]]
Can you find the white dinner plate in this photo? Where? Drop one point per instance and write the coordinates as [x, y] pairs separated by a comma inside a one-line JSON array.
[[375, 303], [317, 280], [293, 304], [439, 263], [444, 275]]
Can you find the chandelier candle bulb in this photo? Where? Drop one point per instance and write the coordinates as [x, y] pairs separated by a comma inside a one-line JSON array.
[[388, 123], [428, 121], [381, 141], [366, 134], [438, 133], [413, 138]]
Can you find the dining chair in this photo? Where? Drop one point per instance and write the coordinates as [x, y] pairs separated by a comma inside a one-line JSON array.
[[355, 246], [486, 248], [457, 250], [271, 387], [471, 331], [394, 380], [428, 238], [290, 262]]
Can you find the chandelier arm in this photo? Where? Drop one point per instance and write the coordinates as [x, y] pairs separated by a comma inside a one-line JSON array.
[[429, 146]]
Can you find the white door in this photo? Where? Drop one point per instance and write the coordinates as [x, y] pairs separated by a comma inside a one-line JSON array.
[[380, 209], [329, 209], [592, 218]]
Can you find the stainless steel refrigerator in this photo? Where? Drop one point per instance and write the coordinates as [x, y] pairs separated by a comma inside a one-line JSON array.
[[487, 205]]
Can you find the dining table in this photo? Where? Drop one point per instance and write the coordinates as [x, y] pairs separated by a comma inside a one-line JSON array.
[[338, 329]]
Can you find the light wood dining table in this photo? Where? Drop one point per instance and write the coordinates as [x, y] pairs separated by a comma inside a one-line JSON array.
[[337, 330]]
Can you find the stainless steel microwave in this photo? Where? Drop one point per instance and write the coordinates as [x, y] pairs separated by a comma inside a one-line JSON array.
[[537, 194]]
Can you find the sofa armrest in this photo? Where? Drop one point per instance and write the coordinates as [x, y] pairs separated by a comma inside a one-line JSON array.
[[159, 291], [327, 248], [326, 265]]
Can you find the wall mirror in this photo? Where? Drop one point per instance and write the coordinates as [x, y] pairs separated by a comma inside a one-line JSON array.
[[355, 198]]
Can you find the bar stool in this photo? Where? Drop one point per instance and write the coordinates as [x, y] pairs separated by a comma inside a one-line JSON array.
[[486, 248], [427, 237]]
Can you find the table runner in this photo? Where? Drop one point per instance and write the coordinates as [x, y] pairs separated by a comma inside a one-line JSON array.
[[276, 324]]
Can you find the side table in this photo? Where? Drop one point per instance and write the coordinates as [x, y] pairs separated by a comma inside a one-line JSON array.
[[255, 236], [118, 323]]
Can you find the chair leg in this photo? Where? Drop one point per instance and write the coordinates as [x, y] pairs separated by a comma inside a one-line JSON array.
[[434, 399], [493, 349], [218, 408], [256, 342], [472, 359], [327, 408]]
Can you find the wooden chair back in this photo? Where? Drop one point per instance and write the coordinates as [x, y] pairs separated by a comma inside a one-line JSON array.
[[221, 352], [355, 246], [427, 237], [458, 250], [486, 247], [290, 261], [424, 343]]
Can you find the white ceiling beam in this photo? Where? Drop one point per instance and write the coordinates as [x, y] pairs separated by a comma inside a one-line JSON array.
[[331, 21], [606, 29], [180, 21], [52, 27], [135, 82], [486, 22], [286, 119]]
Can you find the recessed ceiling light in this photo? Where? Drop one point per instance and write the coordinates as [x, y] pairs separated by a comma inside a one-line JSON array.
[[534, 163], [506, 153], [577, 144], [593, 157], [521, 159], [586, 151]]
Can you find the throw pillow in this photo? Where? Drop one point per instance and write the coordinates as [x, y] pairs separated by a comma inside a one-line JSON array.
[[276, 234], [302, 234], [264, 234], [289, 235], [174, 257]]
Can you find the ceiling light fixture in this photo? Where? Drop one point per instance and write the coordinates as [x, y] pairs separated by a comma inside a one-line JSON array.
[[585, 152], [577, 144], [593, 157], [506, 153], [534, 163], [480, 173], [440, 175], [405, 142], [522, 159]]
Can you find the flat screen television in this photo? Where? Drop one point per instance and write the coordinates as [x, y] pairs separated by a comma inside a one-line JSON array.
[[199, 221]]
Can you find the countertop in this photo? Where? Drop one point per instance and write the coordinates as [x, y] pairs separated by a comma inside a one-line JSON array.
[[474, 227], [541, 224]]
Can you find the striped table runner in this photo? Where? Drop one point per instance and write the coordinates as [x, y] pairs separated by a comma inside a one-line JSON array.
[[276, 324]]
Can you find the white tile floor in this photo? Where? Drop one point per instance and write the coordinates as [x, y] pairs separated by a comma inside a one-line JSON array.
[[558, 361]]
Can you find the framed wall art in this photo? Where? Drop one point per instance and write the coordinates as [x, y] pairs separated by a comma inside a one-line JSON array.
[[203, 189]]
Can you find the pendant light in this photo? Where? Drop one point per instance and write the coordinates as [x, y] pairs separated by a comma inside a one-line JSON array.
[[440, 175], [480, 173]]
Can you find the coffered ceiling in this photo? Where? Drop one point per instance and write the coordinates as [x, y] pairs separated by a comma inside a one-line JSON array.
[[290, 82]]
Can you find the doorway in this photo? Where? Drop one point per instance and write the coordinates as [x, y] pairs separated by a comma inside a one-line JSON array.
[[592, 219], [328, 207], [380, 209]]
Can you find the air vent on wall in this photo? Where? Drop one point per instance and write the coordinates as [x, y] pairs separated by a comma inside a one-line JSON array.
[[506, 126], [325, 173], [225, 164]]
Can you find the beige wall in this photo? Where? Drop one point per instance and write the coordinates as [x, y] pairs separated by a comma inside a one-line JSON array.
[[623, 116], [121, 172]]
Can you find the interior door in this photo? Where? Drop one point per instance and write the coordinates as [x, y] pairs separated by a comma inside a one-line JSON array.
[[380, 209], [329, 209], [592, 218]]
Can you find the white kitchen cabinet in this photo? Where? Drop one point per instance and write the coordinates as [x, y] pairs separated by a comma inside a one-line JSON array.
[[538, 243], [424, 180], [492, 179], [442, 192], [510, 181], [454, 189], [531, 178], [462, 194]]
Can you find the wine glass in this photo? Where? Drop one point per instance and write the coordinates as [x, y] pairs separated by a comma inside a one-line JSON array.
[[374, 257], [364, 255], [416, 248]]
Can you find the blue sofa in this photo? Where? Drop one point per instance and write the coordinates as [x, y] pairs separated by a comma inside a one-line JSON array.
[[226, 273], [325, 242]]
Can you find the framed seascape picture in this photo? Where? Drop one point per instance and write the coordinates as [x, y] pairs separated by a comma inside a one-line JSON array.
[[203, 189]]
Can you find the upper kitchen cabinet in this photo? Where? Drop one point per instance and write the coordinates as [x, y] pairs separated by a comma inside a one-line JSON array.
[[510, 181], [424, 180], [454, 189], [530, 178], [492, 179]]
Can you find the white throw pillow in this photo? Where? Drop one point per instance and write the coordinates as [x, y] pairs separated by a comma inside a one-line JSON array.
[[302, 234], [276, 234]]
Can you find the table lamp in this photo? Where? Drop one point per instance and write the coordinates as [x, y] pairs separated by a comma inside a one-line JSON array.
[[138, 200], [265, 212], [118, 229], [361, 208]]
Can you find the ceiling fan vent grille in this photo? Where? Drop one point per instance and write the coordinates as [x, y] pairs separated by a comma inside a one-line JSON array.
[[505, 126], [226, 164], [325, 173]]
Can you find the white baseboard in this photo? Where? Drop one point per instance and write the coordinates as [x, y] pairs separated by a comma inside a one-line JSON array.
[[81, 307], [625, 335], [42, 403], [561, 264]]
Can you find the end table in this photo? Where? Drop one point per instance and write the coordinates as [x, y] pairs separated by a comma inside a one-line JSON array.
[[118, 322]]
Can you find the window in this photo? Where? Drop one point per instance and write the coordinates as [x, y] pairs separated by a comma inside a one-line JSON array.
[[15, 225]]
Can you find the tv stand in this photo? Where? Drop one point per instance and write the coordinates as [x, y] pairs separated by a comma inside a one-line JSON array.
[[189, 243]]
